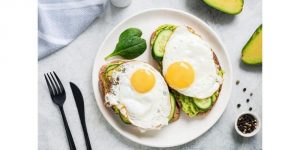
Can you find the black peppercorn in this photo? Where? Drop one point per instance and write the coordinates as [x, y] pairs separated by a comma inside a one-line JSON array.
[[246, 123]]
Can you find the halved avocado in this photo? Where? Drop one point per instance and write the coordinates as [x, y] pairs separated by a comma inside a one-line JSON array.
[[232, 7], [252, 51]]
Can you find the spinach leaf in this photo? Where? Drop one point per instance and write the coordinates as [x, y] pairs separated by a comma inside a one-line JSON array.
[[130, 44], [130, 32]]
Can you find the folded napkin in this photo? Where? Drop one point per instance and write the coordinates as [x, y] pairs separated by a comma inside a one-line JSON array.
[[61, 21]]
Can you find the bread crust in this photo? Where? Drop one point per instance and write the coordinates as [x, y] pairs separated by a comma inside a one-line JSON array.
[[176, 115]]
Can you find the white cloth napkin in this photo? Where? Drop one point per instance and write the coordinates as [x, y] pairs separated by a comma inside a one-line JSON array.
[[61, 21]]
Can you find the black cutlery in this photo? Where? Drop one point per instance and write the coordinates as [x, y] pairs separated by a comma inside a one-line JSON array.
[[58, 96], [80, 107]]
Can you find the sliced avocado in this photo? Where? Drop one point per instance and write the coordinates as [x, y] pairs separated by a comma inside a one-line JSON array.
[[232, 7], [188, 106], [252, 51], [173, 105], [193, 108], [160, 43], [159, 40], [111, 68], [123, 118], [116, 110], [214, 97], [221, 73], [203, 104], [159, 29]]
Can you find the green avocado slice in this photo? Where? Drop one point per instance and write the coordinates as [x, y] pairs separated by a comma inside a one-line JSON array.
[[173, 105], [123, 118], [160, 29], [252, 51], [188, 106], [160, 44], [232, 7], [203, 104], [159, 40]]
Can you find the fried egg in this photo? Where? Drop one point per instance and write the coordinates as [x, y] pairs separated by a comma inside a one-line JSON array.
[[188, 65], [141, 94]]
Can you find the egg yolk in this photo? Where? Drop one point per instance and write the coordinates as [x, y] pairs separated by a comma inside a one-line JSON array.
[[142, 80], [180, 75]]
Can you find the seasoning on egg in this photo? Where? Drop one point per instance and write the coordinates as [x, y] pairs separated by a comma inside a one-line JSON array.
[[244, 89], [248, 100], [251, 94], [238, 105], [237, 82], [250, 108]]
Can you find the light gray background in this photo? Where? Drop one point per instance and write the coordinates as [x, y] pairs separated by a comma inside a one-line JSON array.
[[74, 63]]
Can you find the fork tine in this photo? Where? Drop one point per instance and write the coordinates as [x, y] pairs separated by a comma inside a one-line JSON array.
[[59, 82], [49, 87], [58, 88], [54, 88]]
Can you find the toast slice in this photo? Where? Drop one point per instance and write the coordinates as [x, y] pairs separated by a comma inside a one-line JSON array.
[[105, 83], [191, 109]]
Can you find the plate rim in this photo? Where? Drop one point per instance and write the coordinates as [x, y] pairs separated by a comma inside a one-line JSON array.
[[95, 73]]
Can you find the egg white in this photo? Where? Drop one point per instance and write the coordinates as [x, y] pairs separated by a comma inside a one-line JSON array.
[[188, 47], [148, 110]]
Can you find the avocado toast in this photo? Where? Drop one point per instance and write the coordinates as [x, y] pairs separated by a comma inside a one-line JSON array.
[[105, 82], [190, 105]]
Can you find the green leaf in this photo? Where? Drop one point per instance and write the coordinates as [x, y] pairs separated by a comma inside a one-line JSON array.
[[130, 32], [130, 44]]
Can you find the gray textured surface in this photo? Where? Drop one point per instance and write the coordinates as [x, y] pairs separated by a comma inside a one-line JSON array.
[[74, 63]]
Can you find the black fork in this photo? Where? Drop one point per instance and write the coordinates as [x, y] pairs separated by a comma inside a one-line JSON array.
[[58, 95]]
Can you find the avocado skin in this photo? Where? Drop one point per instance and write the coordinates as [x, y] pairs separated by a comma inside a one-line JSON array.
[[256, 32], [207, 2]]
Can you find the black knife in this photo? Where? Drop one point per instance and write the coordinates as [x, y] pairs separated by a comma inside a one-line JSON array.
[[80, 107]]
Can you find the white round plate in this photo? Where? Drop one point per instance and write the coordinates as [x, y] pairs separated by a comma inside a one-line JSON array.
[[185, 129]]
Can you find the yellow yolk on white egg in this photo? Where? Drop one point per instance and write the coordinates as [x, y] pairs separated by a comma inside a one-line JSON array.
[[142, 80], [188, 65], [180, 75], [141, 94]]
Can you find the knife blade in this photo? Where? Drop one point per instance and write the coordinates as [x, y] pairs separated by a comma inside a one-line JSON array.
[[80, 107]]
